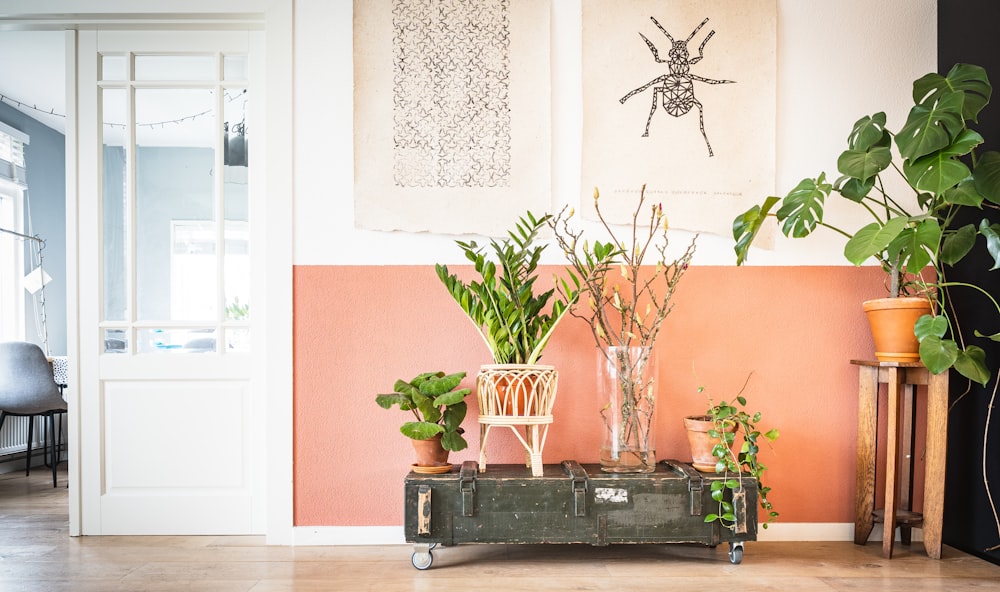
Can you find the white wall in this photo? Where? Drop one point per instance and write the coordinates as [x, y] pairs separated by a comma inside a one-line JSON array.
[[837, 61]]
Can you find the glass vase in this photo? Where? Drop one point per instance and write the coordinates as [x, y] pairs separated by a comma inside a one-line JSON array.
[[627, 387]]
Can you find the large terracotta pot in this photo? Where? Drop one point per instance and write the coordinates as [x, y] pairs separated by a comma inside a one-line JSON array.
[[701, 442], [891, 321], [430, 453]]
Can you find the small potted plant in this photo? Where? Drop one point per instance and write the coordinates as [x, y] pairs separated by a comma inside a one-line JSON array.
[[713, 438], [438, 409], [908, 234]]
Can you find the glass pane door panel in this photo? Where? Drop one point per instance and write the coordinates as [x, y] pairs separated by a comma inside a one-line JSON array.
[[176, 236], [175, 67], [235, 67], [114, 204], [236, 206], [113, 67]]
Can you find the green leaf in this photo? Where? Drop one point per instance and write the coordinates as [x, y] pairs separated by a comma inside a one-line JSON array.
[[958, 244], [454, 416], [993, 337], [453, 441], [873, 239], [772, 434], [936, 172], [711, 517], [992, 241], [964, 194], [930, 326], [388, 400], [452, 397], [938, 354], [746, 226], [915, 246], [437, 383], [931, 126], [969, 79], [987, 176], [854, 189], [802, 209], [971, 364], [421, 430], [864, 164], [868, 132]]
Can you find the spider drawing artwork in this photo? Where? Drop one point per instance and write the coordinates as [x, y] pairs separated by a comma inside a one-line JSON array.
[[676, 90]]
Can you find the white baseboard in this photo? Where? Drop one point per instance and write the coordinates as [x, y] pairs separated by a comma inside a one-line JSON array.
[[349, 535], [393, 535]]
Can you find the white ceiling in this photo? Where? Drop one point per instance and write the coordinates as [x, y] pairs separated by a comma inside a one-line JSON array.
[[32, 71]]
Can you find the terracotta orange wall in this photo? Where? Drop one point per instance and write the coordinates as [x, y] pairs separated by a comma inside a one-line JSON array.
[[358, 328]]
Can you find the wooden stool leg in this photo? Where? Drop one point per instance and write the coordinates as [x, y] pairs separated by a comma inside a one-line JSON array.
[[864, 519], [908, 419], [893, 393], [937, 436]]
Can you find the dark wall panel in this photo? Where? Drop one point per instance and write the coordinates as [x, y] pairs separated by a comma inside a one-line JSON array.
[[967, 32]]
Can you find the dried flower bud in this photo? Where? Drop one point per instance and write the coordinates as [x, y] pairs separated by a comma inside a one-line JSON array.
[[666, 225], [596, 194]]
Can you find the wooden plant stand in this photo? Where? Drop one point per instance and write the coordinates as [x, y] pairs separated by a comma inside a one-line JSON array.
[[901, 380]]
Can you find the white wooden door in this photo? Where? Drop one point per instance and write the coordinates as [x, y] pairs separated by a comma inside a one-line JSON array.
[[171, 391]]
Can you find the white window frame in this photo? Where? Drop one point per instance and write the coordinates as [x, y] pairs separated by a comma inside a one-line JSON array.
[[11, 262]]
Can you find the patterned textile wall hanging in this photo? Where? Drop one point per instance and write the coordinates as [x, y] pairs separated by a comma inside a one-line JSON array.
[[451, 115]]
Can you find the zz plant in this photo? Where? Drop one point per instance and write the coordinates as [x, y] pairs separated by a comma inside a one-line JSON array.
[[436, 406], [738, 465], [503, 305]]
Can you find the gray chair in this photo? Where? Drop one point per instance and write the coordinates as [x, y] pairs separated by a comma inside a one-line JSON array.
[[28, 389]]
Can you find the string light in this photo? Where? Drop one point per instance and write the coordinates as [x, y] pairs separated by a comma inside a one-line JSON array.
[[161, 124]]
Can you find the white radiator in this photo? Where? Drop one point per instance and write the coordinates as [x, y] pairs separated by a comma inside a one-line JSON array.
[[14, 435]]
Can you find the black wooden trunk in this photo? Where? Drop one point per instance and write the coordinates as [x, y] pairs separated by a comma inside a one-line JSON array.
[[571, 503]]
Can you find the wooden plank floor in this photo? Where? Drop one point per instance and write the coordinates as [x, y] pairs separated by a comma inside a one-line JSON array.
[[36, 554]]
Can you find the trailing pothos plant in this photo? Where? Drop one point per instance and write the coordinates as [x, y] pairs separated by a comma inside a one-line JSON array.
[[437, 407], [730, 419], [509, 315], [911, 233]]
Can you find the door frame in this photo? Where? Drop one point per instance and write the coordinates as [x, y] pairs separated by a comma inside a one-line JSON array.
[[275, 17]]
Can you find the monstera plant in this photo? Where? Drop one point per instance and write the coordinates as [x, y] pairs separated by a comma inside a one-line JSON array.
[[914, 235]]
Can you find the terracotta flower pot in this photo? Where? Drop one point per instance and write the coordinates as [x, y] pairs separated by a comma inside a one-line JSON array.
[[701, 442], [891, 321], [430, 453]]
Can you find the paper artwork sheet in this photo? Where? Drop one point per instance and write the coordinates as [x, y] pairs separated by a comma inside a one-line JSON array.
[[679, 95], [451, 114]]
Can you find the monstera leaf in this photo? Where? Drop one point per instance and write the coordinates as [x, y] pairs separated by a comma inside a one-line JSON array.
[[802, 209], [932, 126], [873, 239], [969, 79], [747, 225]]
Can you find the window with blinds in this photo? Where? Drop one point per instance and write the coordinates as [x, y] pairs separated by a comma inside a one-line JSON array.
[[12, 144]]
